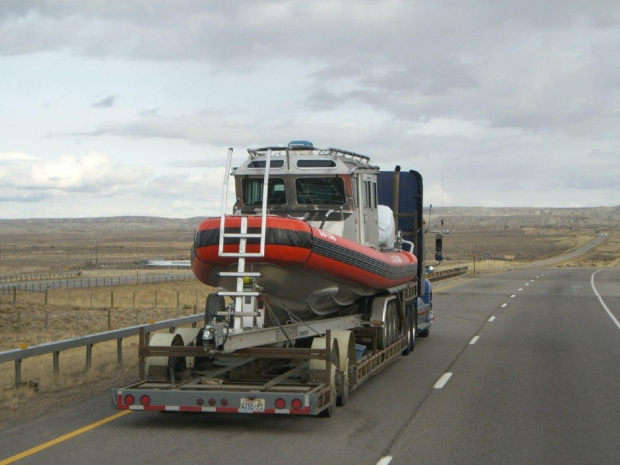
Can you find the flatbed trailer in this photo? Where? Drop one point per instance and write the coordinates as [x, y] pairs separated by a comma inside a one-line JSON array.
[[284, 393], [268, 380]]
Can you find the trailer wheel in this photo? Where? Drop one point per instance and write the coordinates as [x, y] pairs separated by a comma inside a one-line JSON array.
[[346, 349], [165, 368], [215, 303], [319, 372], [385, 310]]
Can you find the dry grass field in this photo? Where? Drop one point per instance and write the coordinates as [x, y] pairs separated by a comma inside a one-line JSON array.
[[496, 239]]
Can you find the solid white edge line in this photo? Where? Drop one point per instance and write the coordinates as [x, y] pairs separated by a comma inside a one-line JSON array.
[[600, 299], [474, 340], [385, 460], [441, 382]]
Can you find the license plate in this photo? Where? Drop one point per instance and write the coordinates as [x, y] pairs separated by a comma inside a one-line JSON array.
[[251, 405]]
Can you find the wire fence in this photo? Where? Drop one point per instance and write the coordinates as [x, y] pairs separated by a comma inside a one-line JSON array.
[[54, 282]]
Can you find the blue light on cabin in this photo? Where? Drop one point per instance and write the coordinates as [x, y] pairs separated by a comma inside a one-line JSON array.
[[297, 144]]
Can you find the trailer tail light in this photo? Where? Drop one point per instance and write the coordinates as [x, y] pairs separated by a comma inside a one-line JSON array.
[[224, 402], [296, 404], [145, 400], [200, 401], [129, 399], [280, 403], [211, 402]]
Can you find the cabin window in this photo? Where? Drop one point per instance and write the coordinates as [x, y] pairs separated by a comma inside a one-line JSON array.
[[316, 163], [366, 192], [374, 196], [255, 164], [320, 191], [253, 191]]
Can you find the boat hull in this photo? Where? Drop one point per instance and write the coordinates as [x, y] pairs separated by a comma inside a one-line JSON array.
[[305, 271]]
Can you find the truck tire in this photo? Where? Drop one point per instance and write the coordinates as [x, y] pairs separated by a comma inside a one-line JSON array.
[[412, 328]]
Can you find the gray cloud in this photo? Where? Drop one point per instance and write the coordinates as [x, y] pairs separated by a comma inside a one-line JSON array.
[[106, 102]]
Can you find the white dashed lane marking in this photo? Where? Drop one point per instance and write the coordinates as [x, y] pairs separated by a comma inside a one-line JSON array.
[[441, 382]]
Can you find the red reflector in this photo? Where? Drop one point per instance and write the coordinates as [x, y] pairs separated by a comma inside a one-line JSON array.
[[280, 403], [129, 399], [224, 402], [296, 404], [145, 400], [211, 401], [199, 401]]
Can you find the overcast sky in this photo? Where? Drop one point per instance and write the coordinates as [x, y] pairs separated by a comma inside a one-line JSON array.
[[114, 108]]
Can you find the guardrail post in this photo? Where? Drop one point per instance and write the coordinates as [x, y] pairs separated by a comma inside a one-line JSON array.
[[18, 372], [56, 356], [119, 351], [141, 357], [89, 356]]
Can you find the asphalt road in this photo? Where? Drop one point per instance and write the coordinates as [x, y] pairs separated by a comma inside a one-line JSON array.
[[520, 367]]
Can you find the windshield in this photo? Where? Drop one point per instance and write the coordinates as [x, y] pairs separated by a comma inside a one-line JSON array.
[[253, 191], [320, 191]]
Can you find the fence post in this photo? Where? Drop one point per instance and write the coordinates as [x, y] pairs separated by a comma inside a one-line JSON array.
[[109, 320], [47, 317]]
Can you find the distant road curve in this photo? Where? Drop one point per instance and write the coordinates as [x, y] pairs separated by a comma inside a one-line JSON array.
[[569, 256]]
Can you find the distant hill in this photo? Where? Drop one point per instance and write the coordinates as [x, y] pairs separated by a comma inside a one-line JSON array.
[[501, 218], [454, 218]]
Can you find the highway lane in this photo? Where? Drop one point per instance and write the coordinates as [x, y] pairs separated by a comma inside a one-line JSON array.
[[540, 384]]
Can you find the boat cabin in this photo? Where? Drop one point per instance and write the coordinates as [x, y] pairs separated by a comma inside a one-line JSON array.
[[334, 190]]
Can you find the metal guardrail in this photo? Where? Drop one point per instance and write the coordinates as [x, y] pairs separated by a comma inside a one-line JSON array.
[[55, 348], [445, 274]]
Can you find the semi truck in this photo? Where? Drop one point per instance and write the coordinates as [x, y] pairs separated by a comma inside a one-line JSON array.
[[319, 284]]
